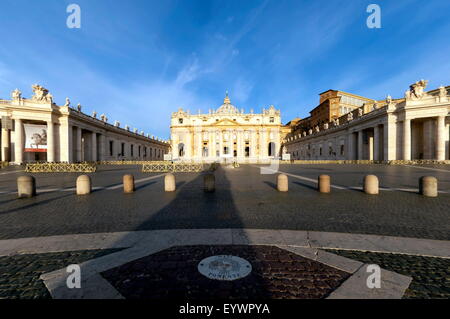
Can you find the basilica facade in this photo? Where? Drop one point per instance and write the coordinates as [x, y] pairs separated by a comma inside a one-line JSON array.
[[227, 134]]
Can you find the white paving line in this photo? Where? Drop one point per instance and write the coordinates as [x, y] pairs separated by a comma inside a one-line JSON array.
[[13, 172], [429, 168], [137, 181]]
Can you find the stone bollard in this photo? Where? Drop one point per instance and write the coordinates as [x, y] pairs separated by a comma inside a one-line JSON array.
[[169, 183], [209, 183], [282, 183], [83, 185], [26, 186], [371, 185], [324, 184], [128, 183], [428, 186]]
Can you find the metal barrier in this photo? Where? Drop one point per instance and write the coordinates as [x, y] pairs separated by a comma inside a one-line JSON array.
[[61, 167], [176, 167], [3, 164]]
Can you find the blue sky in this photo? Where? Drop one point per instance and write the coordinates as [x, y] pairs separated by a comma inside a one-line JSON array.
[[138, 61]]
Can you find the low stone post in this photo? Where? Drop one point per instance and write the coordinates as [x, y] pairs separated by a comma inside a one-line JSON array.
[[428, 186], [282, 183], [128, 183], [26, 186], [324, 184], [371, 185], [169, 183], [83, 185], [209, 183]]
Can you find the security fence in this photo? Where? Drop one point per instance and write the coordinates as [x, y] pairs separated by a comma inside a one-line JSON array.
[[175, 167], [3, 164], [85, 167]]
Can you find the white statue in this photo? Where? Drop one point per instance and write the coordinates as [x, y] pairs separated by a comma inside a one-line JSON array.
[[79, 107], [325, 126], [442, 91], [417, 89], [67, 102], [41, 94], [389, 99], [135, 130], [360, 112], [127, 127], [350, 117], [16, 95], [94, 115], [117, 124]]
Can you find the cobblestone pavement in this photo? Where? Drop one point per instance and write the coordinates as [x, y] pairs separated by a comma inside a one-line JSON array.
[[276, 274], [244, 198], [19, 274], [431, 276]]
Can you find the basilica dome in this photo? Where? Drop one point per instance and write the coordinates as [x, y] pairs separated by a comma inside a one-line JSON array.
[[227, 107]]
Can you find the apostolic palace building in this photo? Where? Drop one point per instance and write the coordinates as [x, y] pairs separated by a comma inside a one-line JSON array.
[[349, 127], [37, 129]]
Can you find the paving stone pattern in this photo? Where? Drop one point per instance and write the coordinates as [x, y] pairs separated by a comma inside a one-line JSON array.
[[431, 276], [19, 274], [276, 274]]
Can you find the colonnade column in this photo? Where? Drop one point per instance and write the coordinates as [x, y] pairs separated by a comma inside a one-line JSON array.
[[78, 144], [5, 143], [376, 143], [102, 148], [50, 142], [407, 139], [440, 138], [447, 141], [18, 143], [94, 146], [360, 145], [350, 146]]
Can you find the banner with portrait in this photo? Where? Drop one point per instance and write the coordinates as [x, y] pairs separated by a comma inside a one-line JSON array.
[[35, 138]]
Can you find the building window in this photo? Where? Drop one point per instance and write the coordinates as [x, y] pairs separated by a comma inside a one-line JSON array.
[[151, 152], [111, 148], [342, 149], [205, 151], [271, 149], [132, 149], [225, 150], [122, 149], [272, 120], [180, 121], [139, 151]]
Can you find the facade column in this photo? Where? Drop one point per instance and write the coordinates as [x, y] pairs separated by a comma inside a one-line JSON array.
[[5, 144], [376, 143], [78, 144], [407, 139], [94, 146], [18, 143], [231, 143], [50, 142], [211, 144], [200, 145], [440, 138], [240, 149], [262, 142], [220, 143], [360, 145]]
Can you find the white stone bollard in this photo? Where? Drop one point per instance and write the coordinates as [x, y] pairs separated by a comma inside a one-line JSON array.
[[209, 183], [26, 186], [83, 185], [282, 183], [169, 183], [371, 185], [428, 186]]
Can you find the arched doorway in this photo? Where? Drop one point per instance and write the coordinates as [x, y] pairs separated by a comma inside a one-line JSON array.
[[181, 150], [271, 150]]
